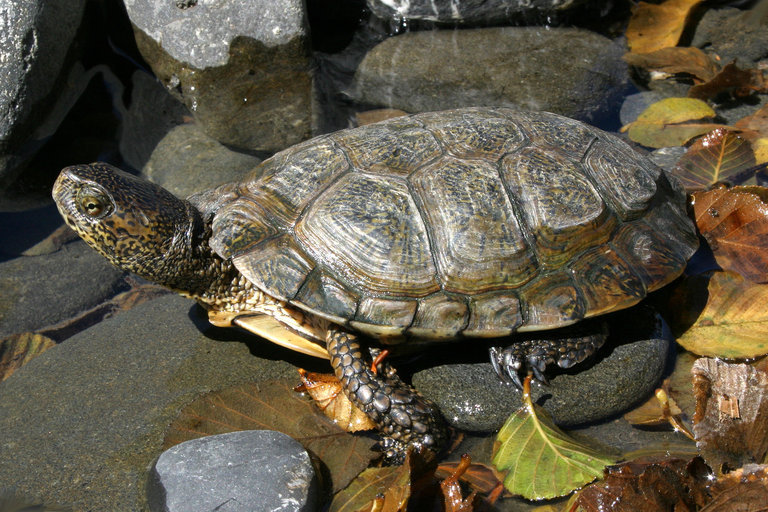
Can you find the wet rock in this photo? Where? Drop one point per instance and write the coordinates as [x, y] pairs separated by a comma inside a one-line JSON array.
[[42, 290], [188, 161], [150, 115], [239, 471], [732, 33], [242, 68], [473, 12], [81, 423], [567, 71], [471, 396], [36, 38]]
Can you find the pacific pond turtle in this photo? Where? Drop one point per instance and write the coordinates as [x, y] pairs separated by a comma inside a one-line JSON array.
[[467, 225]]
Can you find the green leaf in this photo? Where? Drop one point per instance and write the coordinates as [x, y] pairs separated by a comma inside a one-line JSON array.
[[542, 461]]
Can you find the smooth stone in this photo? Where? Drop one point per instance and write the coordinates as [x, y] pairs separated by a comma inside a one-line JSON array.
[[40, 291], [472, 397], [732, 33], [238, 471], [246, 77], [572, 72], [82, 423], [474, 12], [187, 161]]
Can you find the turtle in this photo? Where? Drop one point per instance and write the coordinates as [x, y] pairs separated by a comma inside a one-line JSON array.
[[474, 225]]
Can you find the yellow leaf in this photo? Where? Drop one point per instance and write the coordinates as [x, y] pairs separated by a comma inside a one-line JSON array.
[[733, 323], [656, 26], [760, 148], [666, 122]]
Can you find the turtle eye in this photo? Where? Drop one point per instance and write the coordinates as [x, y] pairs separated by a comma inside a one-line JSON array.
[[94, 204]]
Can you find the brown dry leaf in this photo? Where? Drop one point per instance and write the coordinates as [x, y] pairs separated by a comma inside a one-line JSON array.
[[741, 82], [743, 490], [669, 122], [656, 26], [274, 405], [384, 489], [731, 419], [638, 486], [691, 61], [325, 390], [719, 314], [718, 156], [757, 122], [18, 349], [734, 221]]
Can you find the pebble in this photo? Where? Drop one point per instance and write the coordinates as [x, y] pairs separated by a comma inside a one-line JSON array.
[[234, 472]]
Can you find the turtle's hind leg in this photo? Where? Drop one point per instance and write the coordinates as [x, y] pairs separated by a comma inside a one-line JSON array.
[[403, 416], [565, 347]]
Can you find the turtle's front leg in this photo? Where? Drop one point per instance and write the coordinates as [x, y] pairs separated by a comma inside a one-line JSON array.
[[403, 416]]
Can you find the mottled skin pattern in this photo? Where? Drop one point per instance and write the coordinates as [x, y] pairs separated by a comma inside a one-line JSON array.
[[457, 225]]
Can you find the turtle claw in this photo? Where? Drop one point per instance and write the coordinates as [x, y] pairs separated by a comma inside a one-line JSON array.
[[533, 356]]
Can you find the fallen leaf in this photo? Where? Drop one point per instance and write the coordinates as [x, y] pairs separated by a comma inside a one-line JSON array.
[[540, 460], [741, 82], [757, 122], [734, 222], [656, 26], [659, 410], [639, 486], [691, 61], [720, 314], [743, 490], [666, 122], [716, 157], [731, 419], [388, 487], [274, 405], [481, 478], [18, 349], [325, 390]]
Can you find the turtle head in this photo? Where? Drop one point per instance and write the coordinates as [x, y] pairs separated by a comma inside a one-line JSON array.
[[137, 225]]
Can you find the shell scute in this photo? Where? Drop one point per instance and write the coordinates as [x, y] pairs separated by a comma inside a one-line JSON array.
[[278, 265], [368, 228], [322, 293], [477, 240], [389, 316], [607, 282], [494, 314], [440, 315]]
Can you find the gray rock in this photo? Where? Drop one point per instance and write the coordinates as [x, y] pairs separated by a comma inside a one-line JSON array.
[[34, 42], [239, 471], [635, 104], [471, 396], [731, 33], [82, 423], [567, 71], [42, 290], [241, 67], [151, 114], [667, 158], [475, 12], [188, 161]]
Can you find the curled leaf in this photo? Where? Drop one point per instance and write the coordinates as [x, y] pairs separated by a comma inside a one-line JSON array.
[[656, 26], [384, 489], [731, 78], [743, 490], [718, 156], [325, 390], [731, 419], [542, 461], [667, 122], [719, 314], [734, 221]]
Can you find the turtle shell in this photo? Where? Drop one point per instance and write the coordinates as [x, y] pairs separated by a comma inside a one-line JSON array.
[[473, 222]]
